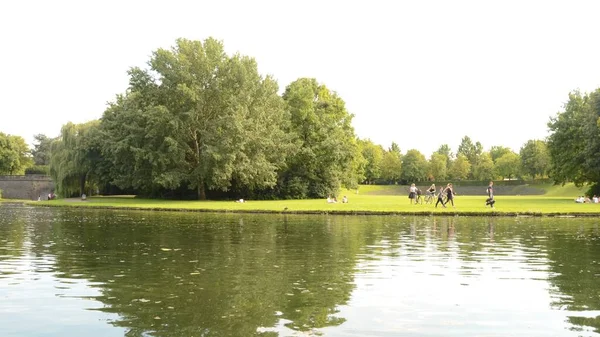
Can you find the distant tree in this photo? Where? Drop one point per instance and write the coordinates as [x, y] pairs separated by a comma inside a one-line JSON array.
[[41, 149], [373, 155], [484, 169], [460, 168], [471, 151], [414, 166], [391, 167], [438, 169], [508, 166], [498, 151], [14, 155], [535, 159], [445, 150]]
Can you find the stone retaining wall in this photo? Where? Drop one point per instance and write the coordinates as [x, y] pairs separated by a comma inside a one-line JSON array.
[[26, 187]]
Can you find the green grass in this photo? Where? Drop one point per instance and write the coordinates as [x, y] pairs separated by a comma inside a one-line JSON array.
[[359, 204]]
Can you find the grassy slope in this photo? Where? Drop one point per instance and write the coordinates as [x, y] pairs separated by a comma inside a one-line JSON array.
[[366, 201]]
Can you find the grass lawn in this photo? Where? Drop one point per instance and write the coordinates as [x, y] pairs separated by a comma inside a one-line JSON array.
[[358, 203]]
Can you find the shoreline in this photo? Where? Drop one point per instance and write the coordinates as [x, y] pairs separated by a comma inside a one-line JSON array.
[[493, 213]]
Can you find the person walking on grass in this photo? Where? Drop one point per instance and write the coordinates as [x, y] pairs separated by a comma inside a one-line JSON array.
[[490, 192], [450, 194], [440, 198]]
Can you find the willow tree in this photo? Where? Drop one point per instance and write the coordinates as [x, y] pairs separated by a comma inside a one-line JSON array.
[[74, 157], [199, 118]]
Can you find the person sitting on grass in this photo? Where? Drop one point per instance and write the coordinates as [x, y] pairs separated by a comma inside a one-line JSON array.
[[580, 199], [595, 199], [345, 200]]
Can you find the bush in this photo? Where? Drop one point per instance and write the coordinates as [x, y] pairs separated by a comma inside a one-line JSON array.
[[38, 169]]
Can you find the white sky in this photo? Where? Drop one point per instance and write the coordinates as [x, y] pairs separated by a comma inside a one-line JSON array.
[[420, 73]]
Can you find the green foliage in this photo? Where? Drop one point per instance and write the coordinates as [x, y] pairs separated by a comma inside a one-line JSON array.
[[41, 149], [567, 141], [445, 150], [535, 159], [14, 155], [438, 166], [391, 167], [471, 151], [75, 158], [326, 155], [373, 154], [414, 166], [459, 168], [484, 168], [508, 166], [498, 151], [38, 169], [574, 142], [198, 118]]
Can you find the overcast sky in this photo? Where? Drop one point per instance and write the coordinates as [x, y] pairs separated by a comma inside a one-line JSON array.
[[420, 73]]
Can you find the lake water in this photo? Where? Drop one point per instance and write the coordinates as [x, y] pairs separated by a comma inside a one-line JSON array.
[[66, 272]]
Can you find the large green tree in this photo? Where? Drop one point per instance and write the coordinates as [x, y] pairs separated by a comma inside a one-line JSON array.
[[321, 127], [14, 155], [535, 159], [574, 141], [508, 166], [414, 166], [197, 118]]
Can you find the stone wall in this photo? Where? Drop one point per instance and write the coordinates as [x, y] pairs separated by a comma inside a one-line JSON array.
[[26, 187]]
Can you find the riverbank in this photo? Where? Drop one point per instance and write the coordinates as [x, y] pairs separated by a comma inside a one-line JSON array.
[[357, 205]]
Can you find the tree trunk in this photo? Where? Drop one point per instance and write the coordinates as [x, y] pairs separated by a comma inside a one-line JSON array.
[[201, 190], [82, 185]]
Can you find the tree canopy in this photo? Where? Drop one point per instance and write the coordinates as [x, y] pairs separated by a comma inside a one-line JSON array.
[[14, 155], [574, 141]]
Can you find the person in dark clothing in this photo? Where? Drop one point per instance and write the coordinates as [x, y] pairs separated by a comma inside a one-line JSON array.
[[440, 197], [450, 194], [490, 192]]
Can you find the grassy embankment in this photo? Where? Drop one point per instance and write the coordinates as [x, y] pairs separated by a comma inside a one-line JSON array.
[[556, 200]]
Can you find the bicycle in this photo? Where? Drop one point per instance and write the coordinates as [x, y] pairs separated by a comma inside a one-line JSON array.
[[430, 197]]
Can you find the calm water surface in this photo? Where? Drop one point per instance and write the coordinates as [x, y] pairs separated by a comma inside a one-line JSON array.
[[120, 273]]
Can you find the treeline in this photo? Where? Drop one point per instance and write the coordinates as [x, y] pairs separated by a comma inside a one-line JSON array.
[[199, 123], [469, 162]]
